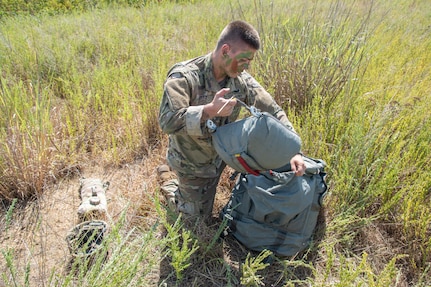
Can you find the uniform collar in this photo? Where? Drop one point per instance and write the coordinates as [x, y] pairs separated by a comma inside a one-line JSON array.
[[211, 83]]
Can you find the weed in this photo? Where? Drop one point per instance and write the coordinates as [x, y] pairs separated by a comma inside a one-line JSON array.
[[181, 247], [252, 266], [9, 213]]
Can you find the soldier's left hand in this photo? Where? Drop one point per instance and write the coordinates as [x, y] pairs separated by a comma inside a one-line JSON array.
[[297, 165]]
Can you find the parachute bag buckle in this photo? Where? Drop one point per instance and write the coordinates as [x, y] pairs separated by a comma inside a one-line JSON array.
[[212, 127]]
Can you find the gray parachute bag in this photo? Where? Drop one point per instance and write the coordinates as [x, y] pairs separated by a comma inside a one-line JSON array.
[[256, 143], [277, 210]]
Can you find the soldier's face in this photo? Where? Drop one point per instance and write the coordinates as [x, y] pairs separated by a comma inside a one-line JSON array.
[[238, 58]]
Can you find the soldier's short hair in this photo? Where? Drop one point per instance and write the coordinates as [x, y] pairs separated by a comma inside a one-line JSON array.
[[239, 30]]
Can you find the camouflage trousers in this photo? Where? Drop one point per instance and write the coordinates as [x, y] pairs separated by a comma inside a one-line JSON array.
[[191, 195]]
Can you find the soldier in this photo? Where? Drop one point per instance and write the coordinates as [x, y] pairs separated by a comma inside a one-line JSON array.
[[200, 89]]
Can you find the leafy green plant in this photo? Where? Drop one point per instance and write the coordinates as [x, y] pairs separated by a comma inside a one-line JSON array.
[[251, 267], [181, 246]]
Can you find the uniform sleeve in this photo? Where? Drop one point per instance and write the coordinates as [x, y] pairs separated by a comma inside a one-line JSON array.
[[176, 115], [262, 100]]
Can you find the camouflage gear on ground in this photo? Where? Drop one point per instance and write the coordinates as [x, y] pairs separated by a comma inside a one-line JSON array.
[[188, 87], [92, 193]]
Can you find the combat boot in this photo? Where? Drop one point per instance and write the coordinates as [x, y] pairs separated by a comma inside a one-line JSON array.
[[168, 185]]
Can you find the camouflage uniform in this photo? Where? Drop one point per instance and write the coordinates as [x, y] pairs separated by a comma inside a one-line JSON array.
[[189, 86]]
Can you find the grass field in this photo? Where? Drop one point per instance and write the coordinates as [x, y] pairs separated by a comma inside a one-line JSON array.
[[81, 87]]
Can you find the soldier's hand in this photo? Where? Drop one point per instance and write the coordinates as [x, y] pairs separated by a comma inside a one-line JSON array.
[[297, 165], [220, 107]]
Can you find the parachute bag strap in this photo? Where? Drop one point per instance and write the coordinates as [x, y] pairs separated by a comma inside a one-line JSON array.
[[226, 225], [228, 215], [245, 165]]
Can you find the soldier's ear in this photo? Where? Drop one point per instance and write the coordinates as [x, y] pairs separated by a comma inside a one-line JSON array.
[[225, 49]]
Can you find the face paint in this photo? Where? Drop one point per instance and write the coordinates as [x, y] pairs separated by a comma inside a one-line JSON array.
[[247, 55], [228, 60], [242, 61], [238, 60]]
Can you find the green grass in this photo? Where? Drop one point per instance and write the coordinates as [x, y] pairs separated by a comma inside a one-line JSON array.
[[355, 78]]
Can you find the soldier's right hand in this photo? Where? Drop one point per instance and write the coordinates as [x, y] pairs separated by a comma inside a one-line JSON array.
[[222, 107]]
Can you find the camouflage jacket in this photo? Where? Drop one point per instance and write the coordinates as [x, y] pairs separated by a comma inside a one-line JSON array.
[[189, 86]]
